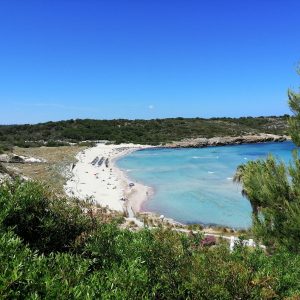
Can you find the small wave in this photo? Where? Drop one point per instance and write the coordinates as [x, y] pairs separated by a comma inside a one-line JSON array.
[[210, 172], [229, 178], [245, 158]]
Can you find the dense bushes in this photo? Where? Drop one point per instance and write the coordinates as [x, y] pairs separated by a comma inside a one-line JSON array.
[[44, 222], [51, 249]]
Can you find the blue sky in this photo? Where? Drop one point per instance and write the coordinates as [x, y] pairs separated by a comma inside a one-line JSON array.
[[63, 59]]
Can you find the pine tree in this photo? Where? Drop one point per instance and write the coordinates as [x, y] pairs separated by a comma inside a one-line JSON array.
[[273, 190], [294, 121]]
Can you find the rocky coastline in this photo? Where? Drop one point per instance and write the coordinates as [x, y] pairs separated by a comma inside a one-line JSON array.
[[227, 140]]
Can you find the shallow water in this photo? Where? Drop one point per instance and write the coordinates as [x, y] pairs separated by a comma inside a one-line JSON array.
[[195, 185]]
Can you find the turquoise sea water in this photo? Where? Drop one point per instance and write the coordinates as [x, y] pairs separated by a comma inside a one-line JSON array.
[[195, 185]]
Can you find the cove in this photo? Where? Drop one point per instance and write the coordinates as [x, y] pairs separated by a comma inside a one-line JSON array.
[[194, 185]]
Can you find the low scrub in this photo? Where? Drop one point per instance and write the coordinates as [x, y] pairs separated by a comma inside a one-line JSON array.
[[54, 248]]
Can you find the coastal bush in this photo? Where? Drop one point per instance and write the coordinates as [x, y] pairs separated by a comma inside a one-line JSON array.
[[4, 147], [52, 250], [44, 221]]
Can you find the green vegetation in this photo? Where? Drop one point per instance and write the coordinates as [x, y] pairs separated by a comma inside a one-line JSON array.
[[273, 190], [274, 193], [55, 248], [294, 122], [137, 131]]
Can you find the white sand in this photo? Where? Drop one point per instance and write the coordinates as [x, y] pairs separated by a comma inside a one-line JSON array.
[[107, 185]]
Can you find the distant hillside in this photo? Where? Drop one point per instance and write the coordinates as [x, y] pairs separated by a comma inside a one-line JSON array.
[[154, 131]]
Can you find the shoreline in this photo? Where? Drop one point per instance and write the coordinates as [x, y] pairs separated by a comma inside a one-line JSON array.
[[109, 186], [139, 193], [228, 141]]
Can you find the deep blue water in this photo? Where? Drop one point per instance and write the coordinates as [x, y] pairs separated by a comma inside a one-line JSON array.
[[195, 185]]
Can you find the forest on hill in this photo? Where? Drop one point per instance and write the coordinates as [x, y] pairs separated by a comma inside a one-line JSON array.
[[156, 131]]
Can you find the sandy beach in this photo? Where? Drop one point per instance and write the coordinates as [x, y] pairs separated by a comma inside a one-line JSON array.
[[96, 175]]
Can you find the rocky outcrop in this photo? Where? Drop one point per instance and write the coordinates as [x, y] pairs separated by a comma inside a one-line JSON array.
[[227, 140], [5, 174], [16, 159], [4, 158], [13, 158]]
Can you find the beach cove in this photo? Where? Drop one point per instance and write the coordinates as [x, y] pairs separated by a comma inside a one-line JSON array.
[[192, 185]]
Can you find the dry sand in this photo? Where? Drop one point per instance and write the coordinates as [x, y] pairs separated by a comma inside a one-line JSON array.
[[108, 186]]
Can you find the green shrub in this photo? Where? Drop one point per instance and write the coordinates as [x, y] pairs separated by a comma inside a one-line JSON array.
[[51, 249], [47, 223]]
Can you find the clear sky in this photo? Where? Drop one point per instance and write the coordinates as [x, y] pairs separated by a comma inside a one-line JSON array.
[[63, 59]]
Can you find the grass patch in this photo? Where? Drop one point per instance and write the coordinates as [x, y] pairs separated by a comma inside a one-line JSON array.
[[54, 171]]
